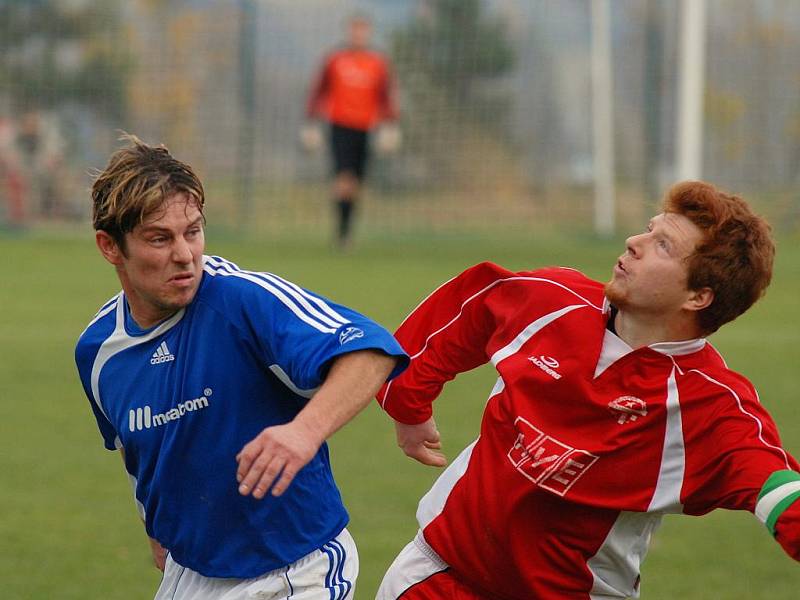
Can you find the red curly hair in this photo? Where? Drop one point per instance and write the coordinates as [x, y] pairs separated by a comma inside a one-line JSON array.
[[736, 255]]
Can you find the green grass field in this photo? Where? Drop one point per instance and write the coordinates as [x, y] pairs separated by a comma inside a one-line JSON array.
[[68, 526]]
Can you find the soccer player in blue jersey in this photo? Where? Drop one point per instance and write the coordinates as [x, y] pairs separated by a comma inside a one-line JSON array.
[[219, 386]]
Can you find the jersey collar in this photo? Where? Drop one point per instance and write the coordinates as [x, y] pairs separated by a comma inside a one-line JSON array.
[[679, 348]]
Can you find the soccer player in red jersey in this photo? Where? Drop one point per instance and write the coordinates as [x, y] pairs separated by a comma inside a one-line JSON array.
[[354, 92], [610, 410]]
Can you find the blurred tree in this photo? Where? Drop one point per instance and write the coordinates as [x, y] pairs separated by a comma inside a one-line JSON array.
[[455, 44], [450, 59], [57, 51]]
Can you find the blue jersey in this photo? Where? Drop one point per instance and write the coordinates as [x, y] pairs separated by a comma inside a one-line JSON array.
[[185, 396]]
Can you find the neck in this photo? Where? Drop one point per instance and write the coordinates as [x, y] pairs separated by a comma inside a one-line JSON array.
[[146, 321], [146, 317], [639, 330], [144, 313]]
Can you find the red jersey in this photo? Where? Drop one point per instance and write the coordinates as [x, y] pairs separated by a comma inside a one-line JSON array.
[[355, 89], [585, 443]]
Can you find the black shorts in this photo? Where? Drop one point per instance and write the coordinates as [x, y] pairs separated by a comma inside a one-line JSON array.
[[350, 150]]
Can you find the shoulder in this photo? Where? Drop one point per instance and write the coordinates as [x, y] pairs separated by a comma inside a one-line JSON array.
[[239, 295], [98, 330], [565, 276], [549, 280], [379, 55], [225, 282], [728, 406], [337, 54], [710, 369], [715, 384]]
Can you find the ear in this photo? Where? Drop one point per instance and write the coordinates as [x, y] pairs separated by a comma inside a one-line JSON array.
[[108, 248], [699, 299]]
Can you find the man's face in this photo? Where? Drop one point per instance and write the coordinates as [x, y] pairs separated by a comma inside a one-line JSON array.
[[360, 33], [651, 276], [161, 267]]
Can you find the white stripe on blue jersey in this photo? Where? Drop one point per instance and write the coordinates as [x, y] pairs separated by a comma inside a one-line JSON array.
[[277, 293], [104, 310], [287, 381], [318, 301], [302, 300], [118, 341], [297, 303], [331, 317], [139, 506]]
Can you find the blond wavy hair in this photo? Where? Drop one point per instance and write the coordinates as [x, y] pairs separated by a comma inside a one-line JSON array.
[[136, 183]]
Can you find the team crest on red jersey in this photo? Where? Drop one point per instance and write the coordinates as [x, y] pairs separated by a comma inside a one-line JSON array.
[[627, 408]]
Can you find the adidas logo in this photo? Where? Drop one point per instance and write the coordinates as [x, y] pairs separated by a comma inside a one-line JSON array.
[[162, 354]]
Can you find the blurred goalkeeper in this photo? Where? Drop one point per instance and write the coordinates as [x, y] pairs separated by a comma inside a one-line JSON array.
[[611, 410], [219, 386], [354, 92]]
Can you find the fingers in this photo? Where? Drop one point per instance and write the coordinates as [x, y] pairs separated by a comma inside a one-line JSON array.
[[159, 554], [245, 459], [426, 455], [260, 474], [270, 462], [421, 442], [283, 483], [426, 452]]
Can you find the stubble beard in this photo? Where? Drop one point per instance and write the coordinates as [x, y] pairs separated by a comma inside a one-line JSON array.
[[614, 294]]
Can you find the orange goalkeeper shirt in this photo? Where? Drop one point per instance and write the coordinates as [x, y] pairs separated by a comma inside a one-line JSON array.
[[354, 89]]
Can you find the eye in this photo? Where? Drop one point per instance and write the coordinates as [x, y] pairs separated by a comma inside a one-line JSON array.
[[193, 232]]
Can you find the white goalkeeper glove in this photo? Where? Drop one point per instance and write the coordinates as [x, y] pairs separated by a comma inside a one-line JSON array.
[[388, 139], [311, 137]]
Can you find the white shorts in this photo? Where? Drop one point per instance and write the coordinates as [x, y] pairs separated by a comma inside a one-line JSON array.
[[415, 563], [326, 574]]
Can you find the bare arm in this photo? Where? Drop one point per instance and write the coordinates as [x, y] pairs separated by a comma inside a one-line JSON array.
[[158, 551], [278, 453]]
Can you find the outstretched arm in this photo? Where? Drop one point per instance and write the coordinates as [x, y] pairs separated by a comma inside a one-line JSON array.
[[452, 331], [278, 453]]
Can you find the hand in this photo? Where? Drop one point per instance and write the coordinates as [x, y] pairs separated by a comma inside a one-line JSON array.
[[389, 139], [421, 442], [311, 137], [159, 554], [278, 452]]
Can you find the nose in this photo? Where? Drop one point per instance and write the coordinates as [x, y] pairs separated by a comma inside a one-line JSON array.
[[633, 245], [181, 251]]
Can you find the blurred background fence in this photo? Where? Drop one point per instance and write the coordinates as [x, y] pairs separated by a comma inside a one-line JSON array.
[[495, 99]]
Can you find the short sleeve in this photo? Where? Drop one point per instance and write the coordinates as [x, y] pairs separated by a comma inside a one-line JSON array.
[[298, 333]]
